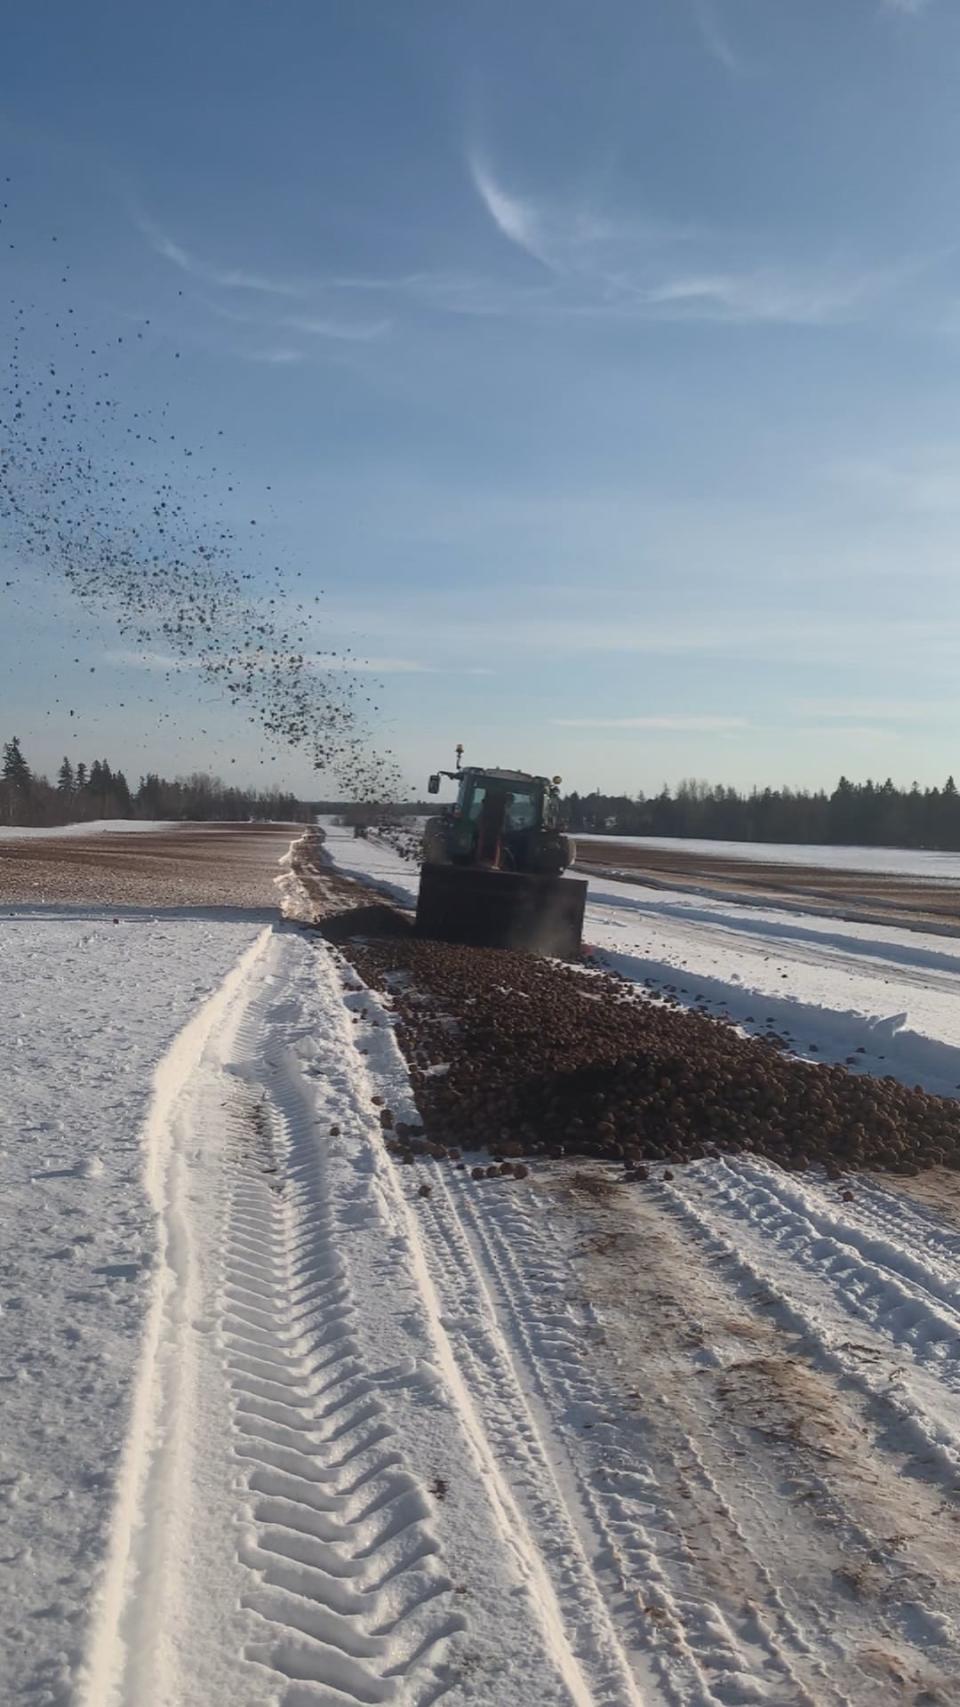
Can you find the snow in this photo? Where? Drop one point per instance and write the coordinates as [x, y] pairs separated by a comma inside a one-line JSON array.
[[837, 986], [292, 897], [372, 861], [936, 867], [92, 827], [283, 1429], [318, 1479], [396, 1447], [739, 1365], [796, 1417], [87, 1009]]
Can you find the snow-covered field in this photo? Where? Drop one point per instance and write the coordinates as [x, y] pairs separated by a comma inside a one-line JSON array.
[[286, 1431], [937, 867], [94, 827]]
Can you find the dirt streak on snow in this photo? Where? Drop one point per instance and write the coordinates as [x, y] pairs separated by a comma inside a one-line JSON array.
[[790, 1472]]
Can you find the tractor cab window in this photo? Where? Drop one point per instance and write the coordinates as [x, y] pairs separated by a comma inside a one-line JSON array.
[[470, 800], [522, 812], [521, 807]]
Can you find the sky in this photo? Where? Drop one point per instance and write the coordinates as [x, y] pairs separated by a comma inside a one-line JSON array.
[[598, 366]]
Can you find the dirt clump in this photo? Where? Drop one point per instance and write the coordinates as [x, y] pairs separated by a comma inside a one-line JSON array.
[[525, 1057]]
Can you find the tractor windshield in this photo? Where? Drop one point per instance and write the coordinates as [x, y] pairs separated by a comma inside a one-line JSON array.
[[522, 801], [523, 811]]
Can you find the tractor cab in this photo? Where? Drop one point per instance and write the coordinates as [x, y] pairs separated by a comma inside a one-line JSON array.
[[510, 808], [530, 802]]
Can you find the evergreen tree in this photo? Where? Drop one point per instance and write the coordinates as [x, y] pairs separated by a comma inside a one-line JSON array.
[[65, 779], [121, 794], [950, 814], [843, 812], [16, 771], [150, 796], [865, 814], [81, 778]]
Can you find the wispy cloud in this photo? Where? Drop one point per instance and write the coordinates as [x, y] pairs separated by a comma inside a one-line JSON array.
[[631, 275], [597, 265], [562, 234], [589, 263], [906, 8], [308, 325], [348, 332], [278, 356], [322, 663], [815, 298], [517, 220], [642, 287], [587, 623], [716, 41], [228, 278], [680, 724], [270, 336]]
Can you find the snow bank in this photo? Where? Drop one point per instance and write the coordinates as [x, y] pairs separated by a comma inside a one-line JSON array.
[[293, 898], [372, 861]]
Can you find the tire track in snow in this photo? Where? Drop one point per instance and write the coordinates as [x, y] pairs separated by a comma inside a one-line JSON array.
[[825, 1268], [278, 1538], [124, 1627], [761, 1231], [854, 1542], [695, 1651], [342, 1594], [472, 1352], [347, 1591], [508, 1319]]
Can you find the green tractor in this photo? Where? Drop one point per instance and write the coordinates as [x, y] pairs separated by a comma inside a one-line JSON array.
[[494, 863]]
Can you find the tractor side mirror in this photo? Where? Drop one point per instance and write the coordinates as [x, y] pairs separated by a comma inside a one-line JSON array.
[[433, 784]]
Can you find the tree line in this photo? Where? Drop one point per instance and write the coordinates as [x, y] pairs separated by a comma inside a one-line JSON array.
[[88, 791], [861, 814]]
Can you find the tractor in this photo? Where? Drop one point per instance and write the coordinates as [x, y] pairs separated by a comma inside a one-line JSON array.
[[494, 863]]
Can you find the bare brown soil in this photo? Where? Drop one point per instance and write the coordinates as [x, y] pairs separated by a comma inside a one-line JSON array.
[[866, 896], [533, 1057], [191, 865]]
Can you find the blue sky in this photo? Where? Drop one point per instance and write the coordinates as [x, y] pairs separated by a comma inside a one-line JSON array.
[[603, 363]]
